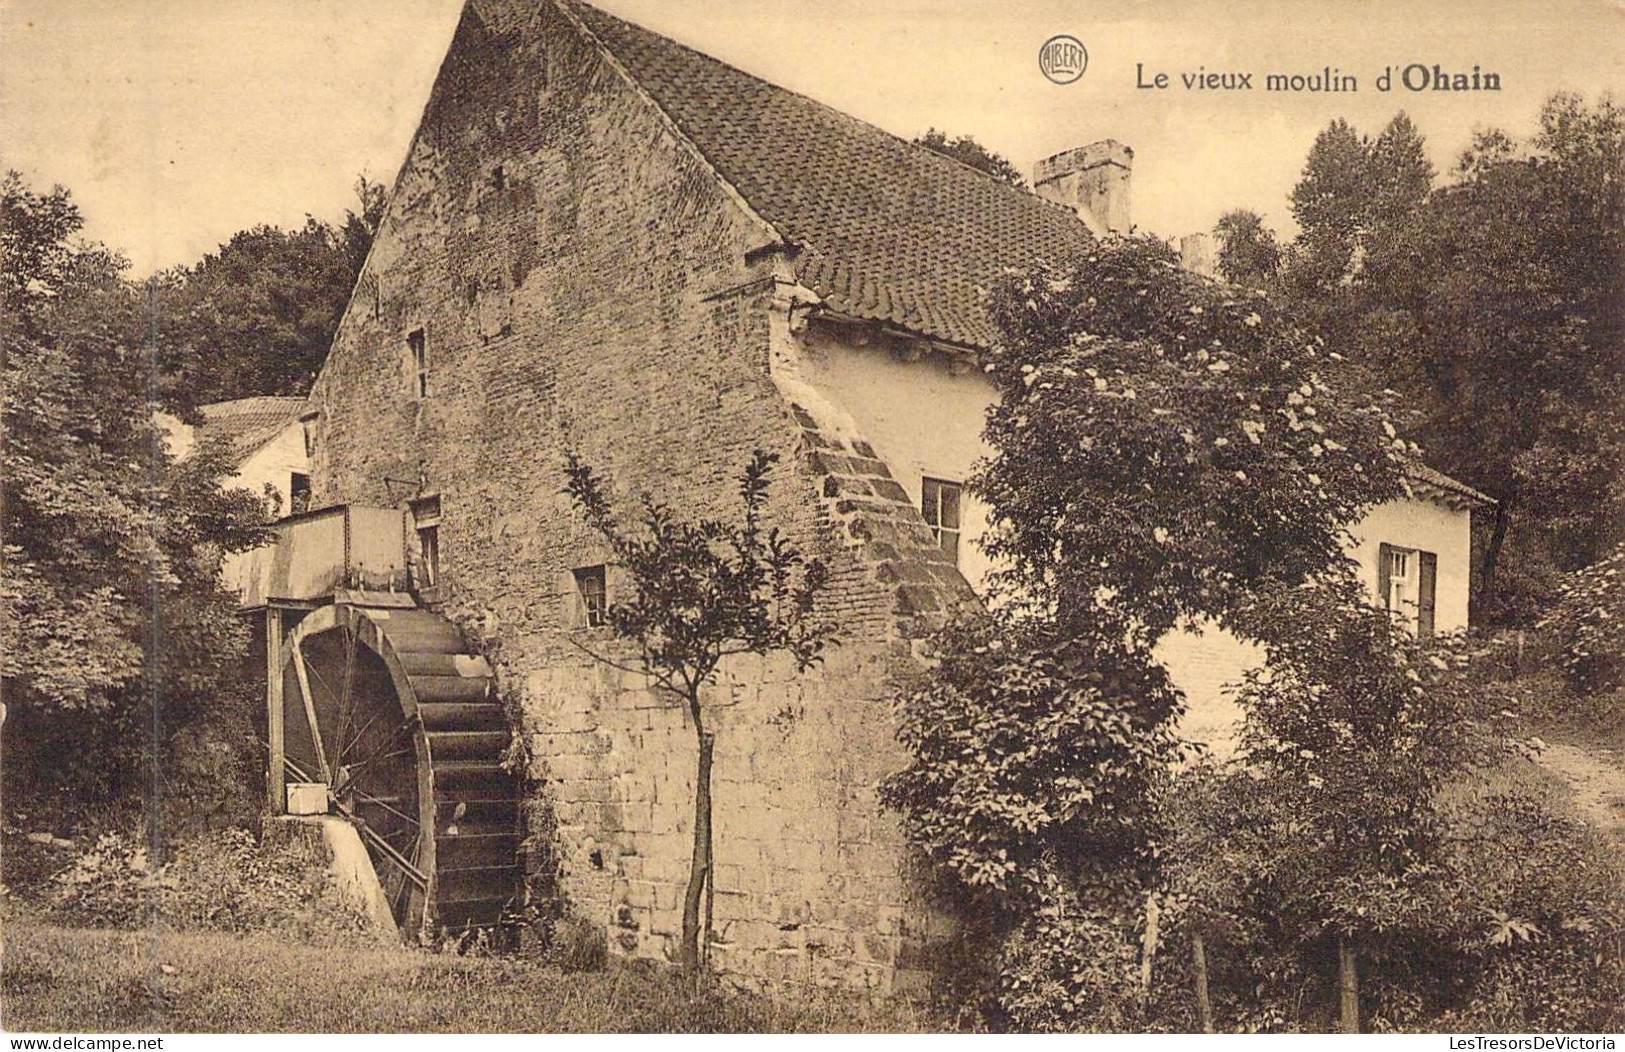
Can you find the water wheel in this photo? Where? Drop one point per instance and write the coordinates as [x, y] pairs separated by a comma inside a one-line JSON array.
[[389, 710]]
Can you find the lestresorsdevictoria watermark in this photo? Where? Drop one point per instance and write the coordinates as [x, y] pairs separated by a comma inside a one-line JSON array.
[[1531, 1043]]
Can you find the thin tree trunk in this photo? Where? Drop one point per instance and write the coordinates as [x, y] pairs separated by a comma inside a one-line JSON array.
[[1348, 987], [1148, 949], [699, 873], [1492, 555], [1204, 1006]]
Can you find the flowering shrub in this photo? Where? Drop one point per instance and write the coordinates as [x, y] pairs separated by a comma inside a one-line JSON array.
[[1164, 447], [1163, 444], [1588, 623]]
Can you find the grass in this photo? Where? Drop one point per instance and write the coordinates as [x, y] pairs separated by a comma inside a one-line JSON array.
[[88, 980]]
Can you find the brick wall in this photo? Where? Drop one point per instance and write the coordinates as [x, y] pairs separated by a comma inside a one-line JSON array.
[[581, 280]]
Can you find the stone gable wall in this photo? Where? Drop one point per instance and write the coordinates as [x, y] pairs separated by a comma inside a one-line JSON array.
[[595, 295]]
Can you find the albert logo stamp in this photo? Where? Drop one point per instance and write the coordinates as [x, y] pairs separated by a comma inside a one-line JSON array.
[[1063, 59]]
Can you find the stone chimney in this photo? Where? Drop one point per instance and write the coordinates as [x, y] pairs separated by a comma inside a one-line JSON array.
[[1197, 256], [1091, 180]]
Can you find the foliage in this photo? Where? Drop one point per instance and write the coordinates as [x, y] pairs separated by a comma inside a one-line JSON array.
[[114, 630], [1165, 445], [1249, 254], [256, 317], [700, 592], [41, 255], [704, 590], [1512, 926], [1351, 730], [1033, 764], [1070, 968], [1491, 304], [218, 881], [968, 151], [1588, 623]]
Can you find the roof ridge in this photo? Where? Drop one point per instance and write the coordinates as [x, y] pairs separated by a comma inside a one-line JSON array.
[[841, 114], [893, 232]]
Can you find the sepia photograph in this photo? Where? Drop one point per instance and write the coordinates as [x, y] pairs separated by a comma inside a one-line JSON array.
[[695, 516]]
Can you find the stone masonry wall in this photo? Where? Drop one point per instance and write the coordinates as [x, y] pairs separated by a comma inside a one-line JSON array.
[[583, 281]]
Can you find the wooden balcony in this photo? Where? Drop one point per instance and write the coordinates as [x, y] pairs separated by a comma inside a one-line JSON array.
[[319, 552]]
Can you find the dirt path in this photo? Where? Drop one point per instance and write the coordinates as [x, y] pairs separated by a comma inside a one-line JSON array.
[[1597, 776]]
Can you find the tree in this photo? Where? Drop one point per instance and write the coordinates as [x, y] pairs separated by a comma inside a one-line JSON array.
[[1399, 179], [1164, 447], [114, 622], [968, 151], [1249, 254], [1037, 759], [1350, 731], [258, 315], [1331, 203], [702, 592], [1511, 285]]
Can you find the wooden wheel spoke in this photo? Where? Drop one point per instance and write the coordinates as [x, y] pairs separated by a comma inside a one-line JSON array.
[[346, 693], [302, 671], [377, 754], [356, 740], [379, 802], [355, 769]]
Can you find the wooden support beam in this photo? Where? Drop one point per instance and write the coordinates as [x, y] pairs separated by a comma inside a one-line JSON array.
[[275, 779], [310, 709]]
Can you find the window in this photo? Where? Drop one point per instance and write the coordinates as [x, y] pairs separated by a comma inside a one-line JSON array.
[[498, 178], [1407, 580], [419, 347], [939, 503], [298, 493], [426, 521], [307, 423], [593, 592]]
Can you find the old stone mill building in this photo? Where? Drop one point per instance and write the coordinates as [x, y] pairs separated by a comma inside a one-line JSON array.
[[603, 241]]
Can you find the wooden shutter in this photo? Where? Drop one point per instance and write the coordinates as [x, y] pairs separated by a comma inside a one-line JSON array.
[[1385, 567], [1426, 581]]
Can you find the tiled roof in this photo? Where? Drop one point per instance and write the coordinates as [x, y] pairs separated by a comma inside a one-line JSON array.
[[889, 231], [1420, 472], [246, 424]]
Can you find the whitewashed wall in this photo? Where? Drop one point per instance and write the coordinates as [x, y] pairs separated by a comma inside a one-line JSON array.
[[925, 419]]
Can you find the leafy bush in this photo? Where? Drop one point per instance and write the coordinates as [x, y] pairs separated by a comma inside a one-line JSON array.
[[219, 881], [1588, 623], [1037, 762], [1512, 924], [1032, 760], [1070, 968]]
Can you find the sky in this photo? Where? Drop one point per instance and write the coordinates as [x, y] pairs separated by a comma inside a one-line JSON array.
[[179, 122]]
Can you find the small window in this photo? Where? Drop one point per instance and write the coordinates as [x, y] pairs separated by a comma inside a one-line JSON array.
[[298, 493], [939, 503], [426, 522], [419, 347], [498, 178], [429, 554], [307, 424], [1407, 582], [593, 592]]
